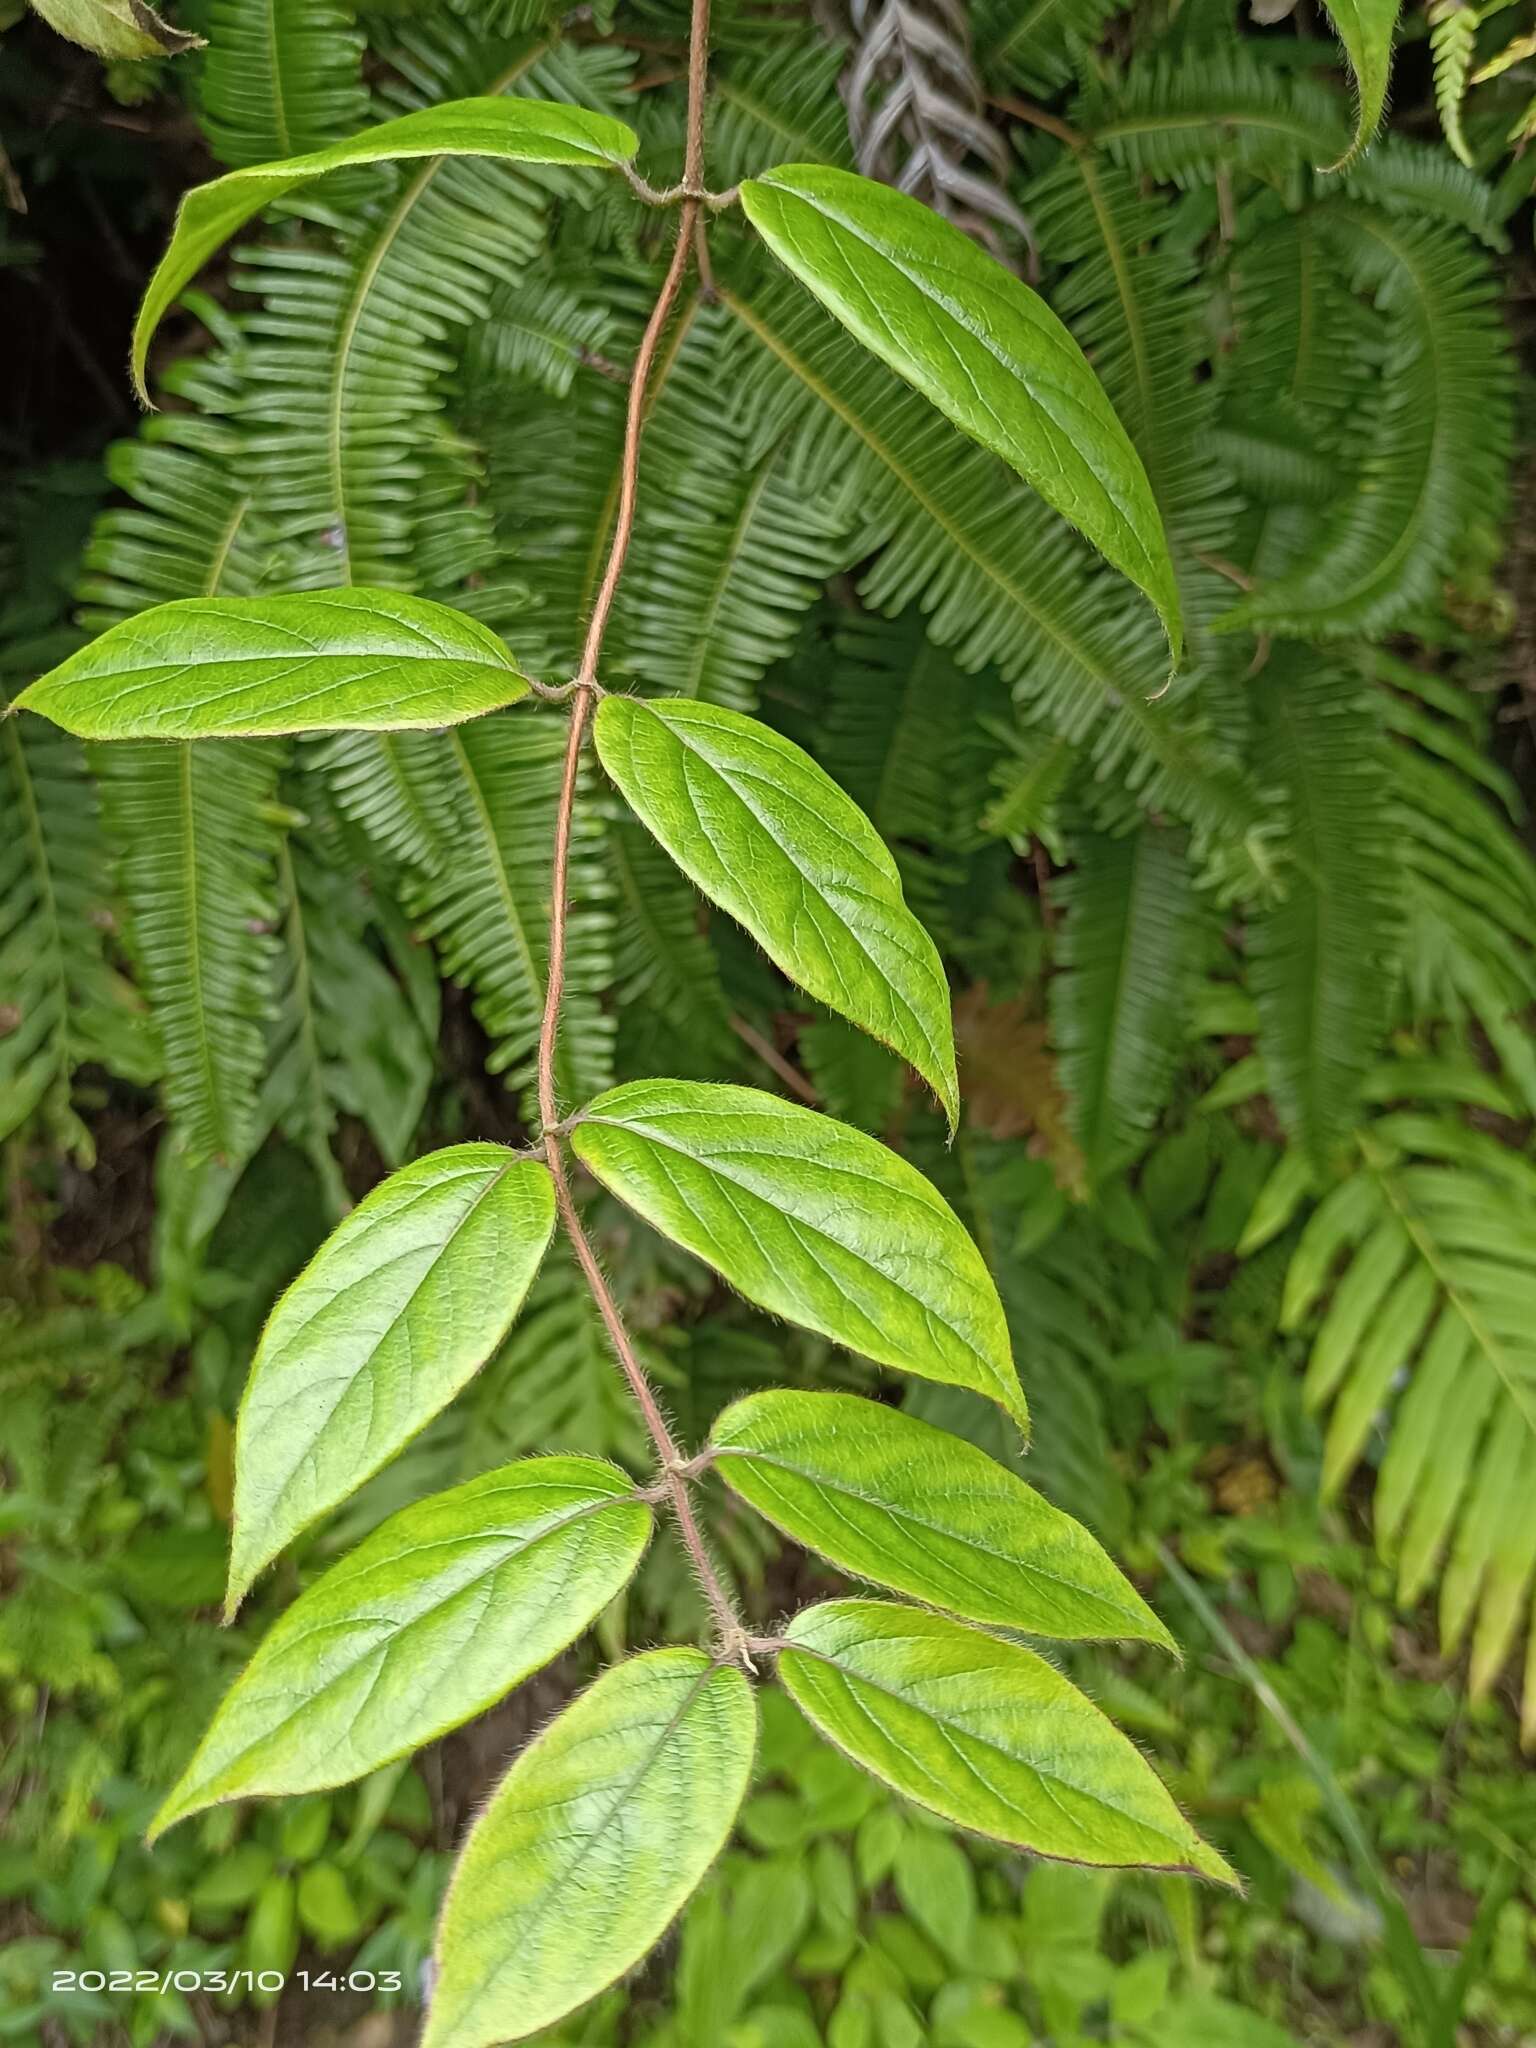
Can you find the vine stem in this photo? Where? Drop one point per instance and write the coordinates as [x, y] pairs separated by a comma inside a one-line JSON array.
[[733, 1634]]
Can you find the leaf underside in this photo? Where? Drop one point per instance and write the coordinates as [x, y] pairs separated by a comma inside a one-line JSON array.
[[592, 1842]]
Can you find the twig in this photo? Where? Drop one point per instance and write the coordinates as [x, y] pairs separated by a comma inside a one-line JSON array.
[[1037, 117], [770, 1056], [733, 1635]]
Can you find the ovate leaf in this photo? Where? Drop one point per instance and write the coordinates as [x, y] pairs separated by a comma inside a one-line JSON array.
[[809, 1219], [443, 1609], [515, 130], [1365, 28], [984, 348], [242, 667], [770, 837], [910, 1506], [594, 1839], [115, 28], [393, 1314], [985, 1733]]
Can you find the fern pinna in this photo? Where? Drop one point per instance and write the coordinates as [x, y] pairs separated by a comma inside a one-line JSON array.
[[1138, 638]]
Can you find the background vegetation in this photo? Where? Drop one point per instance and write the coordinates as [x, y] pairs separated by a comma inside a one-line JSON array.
[[1243, 970]]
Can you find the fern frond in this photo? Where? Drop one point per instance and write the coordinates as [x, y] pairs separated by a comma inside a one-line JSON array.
[[729, 550], [666, 983], [63, 1003], [922, 774], [1322, 958], [554, 1384], [1139, 309], [1030, 782], [857, 1079], [1182, 120], [1000, 578], [194, 826], [1439, 434], [351, 345], [553, 480], [783, 108], [1036, 44], [347, 1038], [538, 332], [1435, 1241], [196, 832], [279, 77], [1452, 46], [1405, 177], [1469, 884], [495, 786], [392, 787], [1120, 996], [309, 1113]]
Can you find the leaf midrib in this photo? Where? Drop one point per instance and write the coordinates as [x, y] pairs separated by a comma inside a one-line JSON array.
[[951, 1730], [831, 1483]]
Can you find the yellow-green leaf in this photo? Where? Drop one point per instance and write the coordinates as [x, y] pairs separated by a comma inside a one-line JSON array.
[[514, 130], [985, 1733], [769, 836], [442, 1610], [398, 1308], [590, 1845], [349, 660], [811, 1220], [980, 345]]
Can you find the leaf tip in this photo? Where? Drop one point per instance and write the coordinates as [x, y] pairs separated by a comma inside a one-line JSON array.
[[1210, 1863], [172, 1811]]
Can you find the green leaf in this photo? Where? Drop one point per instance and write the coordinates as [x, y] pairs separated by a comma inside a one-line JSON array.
[[351, 660], [809, 1219], [985, 1733], [394, 1313], [1365, 28], [115, 28], [515, 130], [770, 837], [984, 348], [591, 1843], [436, 1615], [910, 1506]]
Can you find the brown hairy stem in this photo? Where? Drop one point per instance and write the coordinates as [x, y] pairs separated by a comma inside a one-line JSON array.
[[733, 1635]]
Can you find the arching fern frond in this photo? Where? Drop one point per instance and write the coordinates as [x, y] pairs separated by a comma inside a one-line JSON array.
[[1139, 309], [730, 550], [1182, 120], [1322, 955], [63, 1002], [351, 345], [1439, 434], [197, 834], [1035, 44], [1469, 884], [1406, 177], [783, 108], [195, 826], [346, 1038], [279, 77], [538, 332], [1120, 995], [1427, 1257]]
